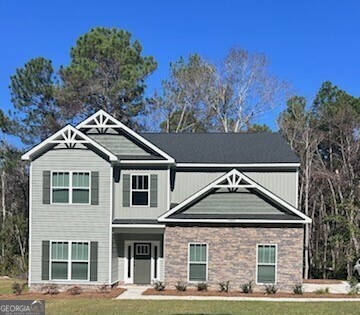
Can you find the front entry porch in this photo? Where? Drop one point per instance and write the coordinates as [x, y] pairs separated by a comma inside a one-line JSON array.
[[138, 255]]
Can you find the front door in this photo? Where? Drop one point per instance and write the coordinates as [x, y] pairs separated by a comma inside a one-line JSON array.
[[142, 263]]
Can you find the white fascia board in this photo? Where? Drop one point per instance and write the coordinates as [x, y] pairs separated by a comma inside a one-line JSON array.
[[141, 226], [229, 221], [266, 192], [52, 140], [148, 162], [118, 124], [249, 165]]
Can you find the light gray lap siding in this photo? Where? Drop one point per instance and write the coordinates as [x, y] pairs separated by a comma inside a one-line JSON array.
[[281, 183], [70, 222], [141, 212]]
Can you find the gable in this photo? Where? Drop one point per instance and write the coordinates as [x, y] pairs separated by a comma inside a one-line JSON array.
[[120, 139], [234, 198]]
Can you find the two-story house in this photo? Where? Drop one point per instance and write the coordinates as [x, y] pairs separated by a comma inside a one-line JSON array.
[[109, 205]]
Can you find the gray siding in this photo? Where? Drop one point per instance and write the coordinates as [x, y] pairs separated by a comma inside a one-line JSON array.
[[240, 202], [281, 183], [121, 212], [70, 222], [114, 261], [119, 144]]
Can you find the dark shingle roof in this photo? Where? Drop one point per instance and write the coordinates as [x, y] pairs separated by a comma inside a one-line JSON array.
[[224, 148]]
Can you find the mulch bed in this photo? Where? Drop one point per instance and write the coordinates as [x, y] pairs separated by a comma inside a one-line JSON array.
[[192, 292], [64, 295], [322, 281]]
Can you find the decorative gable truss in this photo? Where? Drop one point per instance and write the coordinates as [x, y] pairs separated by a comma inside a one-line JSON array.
[[233, 181], [102, 121], [71, 138]]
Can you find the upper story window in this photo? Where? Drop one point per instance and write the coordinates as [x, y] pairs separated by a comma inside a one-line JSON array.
[[70, 187], [140, 190]]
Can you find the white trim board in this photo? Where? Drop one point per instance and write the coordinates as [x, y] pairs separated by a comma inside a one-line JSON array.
[[103, 120], [68, 136], [235, 178]]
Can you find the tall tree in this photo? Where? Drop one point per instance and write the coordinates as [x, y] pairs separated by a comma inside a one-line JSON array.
[[107, 71], [180, 107], [36, 113]]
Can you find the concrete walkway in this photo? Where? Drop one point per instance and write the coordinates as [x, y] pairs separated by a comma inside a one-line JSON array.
[[135, 293], [342, 287]]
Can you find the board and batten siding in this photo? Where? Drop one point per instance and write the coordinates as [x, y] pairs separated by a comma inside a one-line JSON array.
[[121, 212], [70, 222], [281, 183]]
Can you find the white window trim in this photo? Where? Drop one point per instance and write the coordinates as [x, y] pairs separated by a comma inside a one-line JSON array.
[[71, 188], [200, 263], [139, 190], [130, 280], [69, 261], [265, 264]]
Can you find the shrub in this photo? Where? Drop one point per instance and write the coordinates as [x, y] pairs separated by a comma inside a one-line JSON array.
[[18, 288], [159, 286], [271, 289], [75, 290], [224, 286], [353, 286], [181, 286], [247, 287], [50, 289], [322, 291], [202, 286], [298, 289], [104, 288]]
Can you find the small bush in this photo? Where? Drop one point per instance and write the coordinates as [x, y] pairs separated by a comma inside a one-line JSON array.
[[353, 286], [247, 287], [51, 289], [159, 286], [202, 286], [18, 288], [298, 289], [323, 291], [104, 288], [271, 289], [224, 286], [181, 286], [75, 290]]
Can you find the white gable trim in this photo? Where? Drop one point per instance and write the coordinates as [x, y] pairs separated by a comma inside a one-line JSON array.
[[234, 179], [69, 136], [103, 120]]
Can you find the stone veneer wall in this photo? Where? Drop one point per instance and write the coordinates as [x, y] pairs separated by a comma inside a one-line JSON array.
[[232, 253]]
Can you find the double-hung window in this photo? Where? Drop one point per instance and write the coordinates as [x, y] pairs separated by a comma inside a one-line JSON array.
[[198, 261], [266, 264], [140, 190], [70, 187], [69, 261]]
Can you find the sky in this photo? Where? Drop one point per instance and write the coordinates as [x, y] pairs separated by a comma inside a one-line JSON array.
[[307, 42]]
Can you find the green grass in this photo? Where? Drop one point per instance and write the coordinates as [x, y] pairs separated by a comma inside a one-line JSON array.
[[83, 306], [5, 286]]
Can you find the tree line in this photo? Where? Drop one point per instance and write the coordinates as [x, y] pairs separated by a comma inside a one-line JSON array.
[[108, 70]]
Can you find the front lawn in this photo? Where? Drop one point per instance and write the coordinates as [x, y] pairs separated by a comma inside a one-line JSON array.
[[84, 306]]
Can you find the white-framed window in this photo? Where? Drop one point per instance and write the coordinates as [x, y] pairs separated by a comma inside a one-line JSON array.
[[197, 262], [70, 187], [140, 190], [266, 263], [69, 260]]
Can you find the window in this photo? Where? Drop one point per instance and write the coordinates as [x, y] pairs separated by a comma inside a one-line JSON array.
[[197, 262], [70, 187], [266, 264], [142, 249], [140, 190], [69, 260], [60, 187]]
